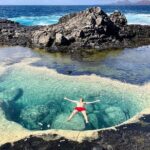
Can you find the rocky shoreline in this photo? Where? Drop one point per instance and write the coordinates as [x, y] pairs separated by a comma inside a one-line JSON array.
[[85, 31]]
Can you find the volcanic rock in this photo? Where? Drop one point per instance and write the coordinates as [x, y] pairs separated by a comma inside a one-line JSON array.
[[89, 29]]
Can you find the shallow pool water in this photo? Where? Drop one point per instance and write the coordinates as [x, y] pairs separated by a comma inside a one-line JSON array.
[[34, 95], [129, 65]]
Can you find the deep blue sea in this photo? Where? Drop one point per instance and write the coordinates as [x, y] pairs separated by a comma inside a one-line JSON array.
[[45, 15]]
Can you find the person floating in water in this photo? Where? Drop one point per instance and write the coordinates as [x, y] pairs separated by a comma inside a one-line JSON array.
[[80, 108]]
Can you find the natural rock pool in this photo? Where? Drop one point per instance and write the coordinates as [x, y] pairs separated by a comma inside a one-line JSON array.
[[33, 85]]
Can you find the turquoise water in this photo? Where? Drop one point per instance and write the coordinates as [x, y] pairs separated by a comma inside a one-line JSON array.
[[34, 95], [39, 104]]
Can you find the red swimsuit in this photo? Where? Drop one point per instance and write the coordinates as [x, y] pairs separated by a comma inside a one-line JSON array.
[[80, 109]]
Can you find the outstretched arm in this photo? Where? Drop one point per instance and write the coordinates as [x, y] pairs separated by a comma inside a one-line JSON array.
[[73, 101], [92, 102]]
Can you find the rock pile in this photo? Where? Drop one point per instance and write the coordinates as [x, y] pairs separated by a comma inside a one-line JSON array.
[[85, 30], [12, 33]]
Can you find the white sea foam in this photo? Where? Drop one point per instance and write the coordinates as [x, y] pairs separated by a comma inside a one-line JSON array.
[[133, 18], [143, 19], [137, 18], [37, 20]]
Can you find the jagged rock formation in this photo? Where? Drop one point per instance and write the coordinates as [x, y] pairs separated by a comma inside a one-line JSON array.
[[87, 30], [12, 33]]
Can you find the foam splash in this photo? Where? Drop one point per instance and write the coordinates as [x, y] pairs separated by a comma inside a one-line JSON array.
[[36, 20], [133, 18]]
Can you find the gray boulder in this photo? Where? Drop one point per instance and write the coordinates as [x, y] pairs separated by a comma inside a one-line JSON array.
[[42, 38], [61, 40], [118, 18]]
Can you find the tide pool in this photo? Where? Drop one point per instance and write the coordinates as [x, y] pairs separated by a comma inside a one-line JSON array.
[[33, 95], [35, 100]]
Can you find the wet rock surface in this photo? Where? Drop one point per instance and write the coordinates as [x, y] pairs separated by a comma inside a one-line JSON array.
[[87, 30]]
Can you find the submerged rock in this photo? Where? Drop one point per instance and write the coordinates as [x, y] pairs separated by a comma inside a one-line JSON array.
[[77, 32], [77, 122], [38, 117], [11, 94], [114, 115], [94, 121], [32, 117]]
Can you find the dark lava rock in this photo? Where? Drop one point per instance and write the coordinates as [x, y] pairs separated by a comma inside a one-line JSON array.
[[90, 29], [12, 33], [118, 19]]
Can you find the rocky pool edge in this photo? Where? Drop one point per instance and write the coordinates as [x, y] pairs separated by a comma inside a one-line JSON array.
[[131, 134]]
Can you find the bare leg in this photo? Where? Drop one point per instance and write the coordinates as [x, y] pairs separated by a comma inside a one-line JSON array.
[[72, 114], [85, 116]]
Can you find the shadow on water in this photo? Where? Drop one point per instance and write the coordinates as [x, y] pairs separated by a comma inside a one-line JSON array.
[[18, 95], [11, 108]]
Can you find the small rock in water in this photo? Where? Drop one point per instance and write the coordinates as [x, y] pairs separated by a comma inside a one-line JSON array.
[[48, 125], [40, 124]]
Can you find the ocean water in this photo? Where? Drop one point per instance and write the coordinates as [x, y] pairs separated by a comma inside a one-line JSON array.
[[45, 15], [32, 89]]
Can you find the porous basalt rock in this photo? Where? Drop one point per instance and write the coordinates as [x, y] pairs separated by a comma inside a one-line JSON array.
[[12, 33], [89, 29], [118, 19]]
